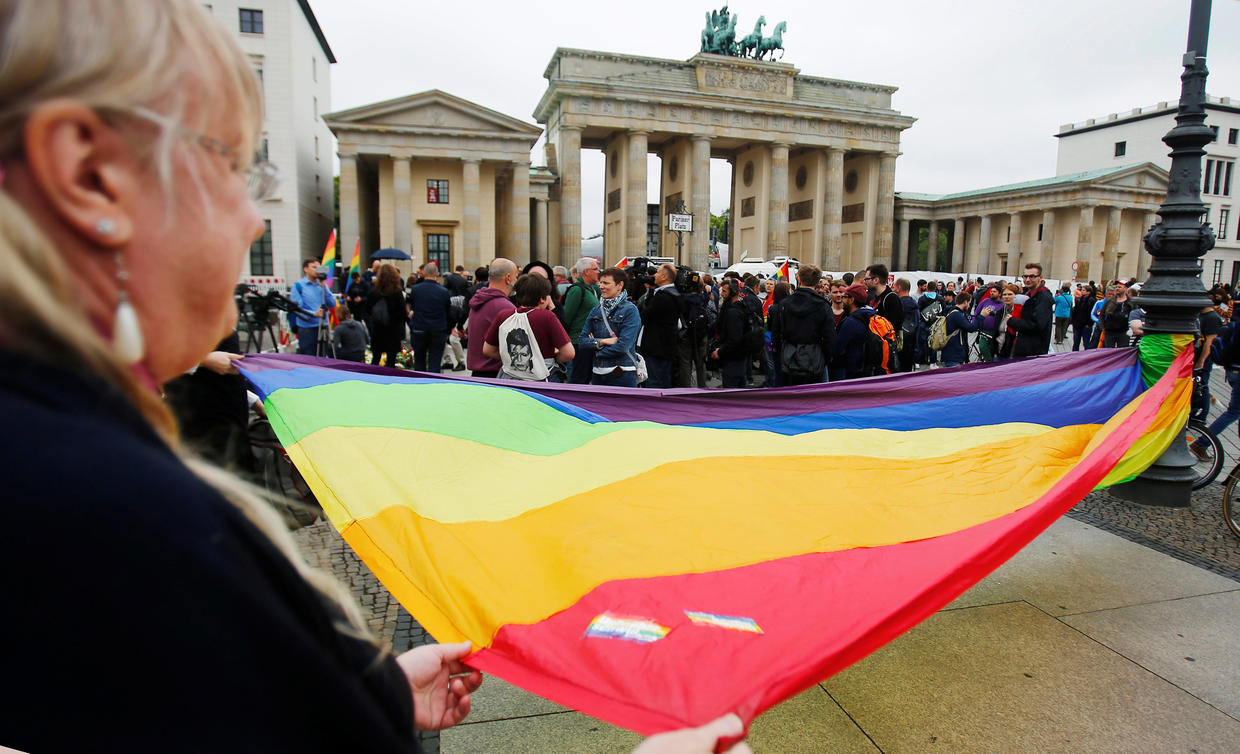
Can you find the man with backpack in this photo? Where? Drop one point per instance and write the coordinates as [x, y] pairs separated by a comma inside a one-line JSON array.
[[1224, 350], [661, 328], [907, 340], [866, 342], [579, 300], [803, 331], [697, 320], [953, 345], [730, 348]]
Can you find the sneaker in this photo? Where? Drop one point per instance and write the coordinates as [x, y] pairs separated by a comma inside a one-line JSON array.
[[1199, 452]]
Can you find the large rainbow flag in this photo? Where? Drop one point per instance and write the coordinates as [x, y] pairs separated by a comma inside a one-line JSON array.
[[657, 559]]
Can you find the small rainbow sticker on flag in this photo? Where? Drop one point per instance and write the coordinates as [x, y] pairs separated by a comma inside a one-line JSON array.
[[730, 622], [640, 630]]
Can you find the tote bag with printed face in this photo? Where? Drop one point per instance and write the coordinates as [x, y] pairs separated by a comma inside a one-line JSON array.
[[519, 351]]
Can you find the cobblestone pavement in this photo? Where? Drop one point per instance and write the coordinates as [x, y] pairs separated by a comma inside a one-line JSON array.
[[323, 548]]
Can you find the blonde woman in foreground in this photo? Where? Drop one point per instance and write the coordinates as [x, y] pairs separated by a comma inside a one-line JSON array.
[[155, 603]]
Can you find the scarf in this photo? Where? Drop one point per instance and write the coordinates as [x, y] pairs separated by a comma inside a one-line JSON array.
[[609, 304]]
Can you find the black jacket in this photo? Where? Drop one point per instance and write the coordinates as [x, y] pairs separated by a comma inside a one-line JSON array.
[[1033, 329], [730, 331], [660, 323], [149, 610], [890, 306], [1082, 312], [804, 318]]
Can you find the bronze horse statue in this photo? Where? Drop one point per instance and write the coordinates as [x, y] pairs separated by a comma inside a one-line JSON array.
[[750, 43]]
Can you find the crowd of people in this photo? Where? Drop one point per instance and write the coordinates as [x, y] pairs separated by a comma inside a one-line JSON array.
[[667, 326]]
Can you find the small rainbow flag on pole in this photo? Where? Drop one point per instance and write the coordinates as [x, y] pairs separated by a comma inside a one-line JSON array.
[[355, 265], [783, 271], [329, 258]]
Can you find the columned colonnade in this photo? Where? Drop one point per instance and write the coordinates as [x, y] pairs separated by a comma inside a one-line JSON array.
[[440, 178], [1095, 221]]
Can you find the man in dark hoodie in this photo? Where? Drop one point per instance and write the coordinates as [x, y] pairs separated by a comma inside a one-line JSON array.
[[803, 331], [1037, 316], [487, 304], [729, 346]]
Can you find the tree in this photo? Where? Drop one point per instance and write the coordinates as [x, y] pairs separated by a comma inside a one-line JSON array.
[[719, 226]]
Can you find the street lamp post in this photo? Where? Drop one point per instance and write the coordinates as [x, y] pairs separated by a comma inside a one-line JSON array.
[[1173, 295]]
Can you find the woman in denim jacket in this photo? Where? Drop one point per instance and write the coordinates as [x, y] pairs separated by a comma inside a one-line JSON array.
[[614, 346]]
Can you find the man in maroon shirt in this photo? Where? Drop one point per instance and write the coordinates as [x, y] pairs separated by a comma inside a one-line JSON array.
[[551, 341]]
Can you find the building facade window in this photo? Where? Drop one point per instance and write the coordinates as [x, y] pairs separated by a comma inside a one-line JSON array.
[[439, 250], [1218, 177], [1235, 274], [314, 68], [436, 192], [1224, 217], [260, 253], [251, 21], [1218, 271], [1233, 135], [1039, 231], [316, 107], [1121, 148], [316, 147], [1215, 130]]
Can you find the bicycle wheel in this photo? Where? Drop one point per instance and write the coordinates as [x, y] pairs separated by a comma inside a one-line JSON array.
[[1231, 506], [1209, 458]]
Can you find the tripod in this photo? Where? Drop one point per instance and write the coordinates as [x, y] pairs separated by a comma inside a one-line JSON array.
[[324, 346]]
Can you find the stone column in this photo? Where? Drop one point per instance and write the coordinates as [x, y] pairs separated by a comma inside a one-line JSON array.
[[899, 261], [1048, 244], [834, 224], [569, 158], [1143, 256], [885, 214], [539, 221], [731, 239], [635, 193], [350, 214], [1085, 238], [1110, 252], [932, 247], [519, 214], [699, 239], [1013, 247], [958, 246], [471, 224], [777, 218], [402, 204], [983, 260]]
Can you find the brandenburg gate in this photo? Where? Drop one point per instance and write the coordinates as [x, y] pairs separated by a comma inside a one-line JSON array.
[[813, 159]]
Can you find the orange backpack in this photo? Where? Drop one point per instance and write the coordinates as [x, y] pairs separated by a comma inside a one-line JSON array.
[[880, 361]]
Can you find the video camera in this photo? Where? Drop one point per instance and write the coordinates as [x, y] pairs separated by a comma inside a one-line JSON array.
[[641, 271], [255, 307], [687, 279]]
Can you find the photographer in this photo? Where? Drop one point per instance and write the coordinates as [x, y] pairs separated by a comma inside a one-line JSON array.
[[311, 294]]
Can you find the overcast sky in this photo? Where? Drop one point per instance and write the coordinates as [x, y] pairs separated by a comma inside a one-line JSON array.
[[989, 81]]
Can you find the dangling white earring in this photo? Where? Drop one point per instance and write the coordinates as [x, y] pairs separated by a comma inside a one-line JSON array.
[[127, 341]]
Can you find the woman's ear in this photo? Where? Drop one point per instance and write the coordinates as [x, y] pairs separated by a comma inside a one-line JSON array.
[[83, 169]]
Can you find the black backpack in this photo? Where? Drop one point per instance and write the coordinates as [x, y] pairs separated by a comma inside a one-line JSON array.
[[694, 316], [755, 326], [1225, 350]]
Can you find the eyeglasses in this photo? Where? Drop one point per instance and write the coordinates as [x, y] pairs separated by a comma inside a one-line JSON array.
[[262, 177], [1028, 277]]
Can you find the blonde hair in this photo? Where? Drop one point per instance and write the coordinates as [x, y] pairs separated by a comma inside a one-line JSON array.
[[120, 57]]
